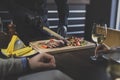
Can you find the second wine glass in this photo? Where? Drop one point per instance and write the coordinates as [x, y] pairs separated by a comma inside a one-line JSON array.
[[99, 33]]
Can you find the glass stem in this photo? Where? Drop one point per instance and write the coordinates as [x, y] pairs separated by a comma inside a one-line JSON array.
[[97, 45]]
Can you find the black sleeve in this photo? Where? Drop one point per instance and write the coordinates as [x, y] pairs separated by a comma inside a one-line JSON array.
[[63, 11]]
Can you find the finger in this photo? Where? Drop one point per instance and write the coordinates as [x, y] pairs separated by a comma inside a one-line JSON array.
[[50, 58], [47, 58], [47, 65], [38, 55], [53, 60], [46, 55]]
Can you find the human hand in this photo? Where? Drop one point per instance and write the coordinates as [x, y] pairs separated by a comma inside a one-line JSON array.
[[42, 61]]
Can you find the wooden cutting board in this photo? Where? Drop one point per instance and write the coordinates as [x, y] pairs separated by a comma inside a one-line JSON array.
[[35, 46]]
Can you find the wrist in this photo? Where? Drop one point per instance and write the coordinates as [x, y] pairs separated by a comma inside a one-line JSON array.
[[28, 64], [25, 64]]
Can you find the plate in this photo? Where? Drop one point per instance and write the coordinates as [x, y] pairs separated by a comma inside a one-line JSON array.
[[35, 45], [25, 55]]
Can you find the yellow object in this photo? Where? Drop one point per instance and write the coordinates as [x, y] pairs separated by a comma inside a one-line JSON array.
[[5, 52], [26, 54], [22, 51], [10, 47], [13, 50]]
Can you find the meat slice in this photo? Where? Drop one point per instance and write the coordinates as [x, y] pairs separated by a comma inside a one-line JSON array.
[[55, 43]]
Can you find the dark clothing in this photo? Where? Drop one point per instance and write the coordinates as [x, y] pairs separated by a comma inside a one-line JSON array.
[[38, 8], [63, 12], [25, 15]]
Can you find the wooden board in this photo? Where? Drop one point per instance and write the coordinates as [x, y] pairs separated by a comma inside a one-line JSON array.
[[35, 46]]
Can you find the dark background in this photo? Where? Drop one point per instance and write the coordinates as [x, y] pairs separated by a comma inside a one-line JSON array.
[[98, 11]]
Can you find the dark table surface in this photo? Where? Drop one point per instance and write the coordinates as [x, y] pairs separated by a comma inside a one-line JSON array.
[[79, 66]]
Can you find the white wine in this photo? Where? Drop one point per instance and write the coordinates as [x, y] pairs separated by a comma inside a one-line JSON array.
[[99, 34], [99, 38]]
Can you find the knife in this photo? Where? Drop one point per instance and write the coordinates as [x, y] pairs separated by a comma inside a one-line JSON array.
[[55, 34]]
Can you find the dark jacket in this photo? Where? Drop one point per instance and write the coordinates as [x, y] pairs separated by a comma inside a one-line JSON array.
[[24, 12]]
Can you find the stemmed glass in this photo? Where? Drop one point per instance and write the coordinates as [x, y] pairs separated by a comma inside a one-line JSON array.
[[99, 33]]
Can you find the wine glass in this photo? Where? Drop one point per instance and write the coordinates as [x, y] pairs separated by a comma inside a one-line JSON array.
[[99, 33]]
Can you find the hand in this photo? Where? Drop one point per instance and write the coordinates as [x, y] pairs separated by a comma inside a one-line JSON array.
[[42, 61]]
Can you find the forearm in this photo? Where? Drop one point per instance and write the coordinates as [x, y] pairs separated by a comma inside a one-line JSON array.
[[10, 66]]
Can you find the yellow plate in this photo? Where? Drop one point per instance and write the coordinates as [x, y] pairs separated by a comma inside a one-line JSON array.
[[27, 54]]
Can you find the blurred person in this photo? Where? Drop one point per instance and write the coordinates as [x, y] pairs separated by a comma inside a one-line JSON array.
[[26, 14]]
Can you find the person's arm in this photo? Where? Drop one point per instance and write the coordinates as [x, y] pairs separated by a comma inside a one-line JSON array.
[[10, 66], [14, 66], [63, 11]]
